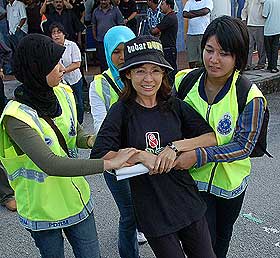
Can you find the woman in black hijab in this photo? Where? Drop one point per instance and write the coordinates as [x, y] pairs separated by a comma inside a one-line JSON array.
[[38, 147]]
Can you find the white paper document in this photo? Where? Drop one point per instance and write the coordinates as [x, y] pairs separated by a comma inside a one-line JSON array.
[[128, 172]]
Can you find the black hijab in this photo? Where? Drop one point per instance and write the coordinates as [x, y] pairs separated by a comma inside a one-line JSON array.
[[34, 59]]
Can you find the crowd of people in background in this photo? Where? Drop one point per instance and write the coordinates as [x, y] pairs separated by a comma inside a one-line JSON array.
[[19, 18], [121, 35]]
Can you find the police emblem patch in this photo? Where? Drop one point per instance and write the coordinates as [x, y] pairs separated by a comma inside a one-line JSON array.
[[225, 125], [48, 141]]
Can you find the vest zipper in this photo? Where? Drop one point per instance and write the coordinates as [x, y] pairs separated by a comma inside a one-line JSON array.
[[208, 113], [80, 194], [212, 177], [214, 168]]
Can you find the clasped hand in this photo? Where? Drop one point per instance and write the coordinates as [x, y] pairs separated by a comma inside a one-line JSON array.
[[164, 162]]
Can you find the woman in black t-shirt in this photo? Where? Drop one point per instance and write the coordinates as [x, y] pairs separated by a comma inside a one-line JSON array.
[[129, 12], [168, 207]]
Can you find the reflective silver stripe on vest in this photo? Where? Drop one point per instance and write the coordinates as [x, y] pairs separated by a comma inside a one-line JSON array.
[[69, 102], [28, 174], [31, 112], [73, 153], [106, 94], [202, 186], [45, 225]]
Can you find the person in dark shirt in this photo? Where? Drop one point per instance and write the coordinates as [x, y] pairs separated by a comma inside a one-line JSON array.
[[129, 12], [67, 18], [78, 8], [104, 17], [168, 207], [168, 28], [33, 16]]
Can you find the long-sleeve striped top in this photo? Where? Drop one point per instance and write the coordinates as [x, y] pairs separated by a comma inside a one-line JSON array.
[[244, 139]]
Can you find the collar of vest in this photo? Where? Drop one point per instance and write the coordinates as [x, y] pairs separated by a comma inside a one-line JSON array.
[[221, 93]]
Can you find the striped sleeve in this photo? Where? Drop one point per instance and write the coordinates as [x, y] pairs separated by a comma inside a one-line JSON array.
[[246, 133]]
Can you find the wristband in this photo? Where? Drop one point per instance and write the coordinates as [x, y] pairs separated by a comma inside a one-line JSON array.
[[172, 146]]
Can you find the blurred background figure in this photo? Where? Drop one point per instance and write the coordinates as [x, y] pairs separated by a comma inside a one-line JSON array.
[[167, 28], [6, 192], [33, 16], [154, 16], [252, 15], [71, 60], [271, 13], [104, 17], [198, 13], [129, 12]]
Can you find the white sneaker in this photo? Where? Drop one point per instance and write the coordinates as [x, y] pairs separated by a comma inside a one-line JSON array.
[[141, 238]]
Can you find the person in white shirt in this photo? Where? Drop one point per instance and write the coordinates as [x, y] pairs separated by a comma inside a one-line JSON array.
[[252, 14], [198, 13], [271, 13], [220, 9], [17, 23], [71, 60], [16, 16]]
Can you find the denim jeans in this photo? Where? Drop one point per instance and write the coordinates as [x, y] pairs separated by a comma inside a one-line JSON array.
[[4, 38], [221, 215], [82, 237], [128, 245], [14, 39], [78, 93], [240, 7]]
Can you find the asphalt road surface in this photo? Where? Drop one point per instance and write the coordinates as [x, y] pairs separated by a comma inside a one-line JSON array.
[[256, 233]]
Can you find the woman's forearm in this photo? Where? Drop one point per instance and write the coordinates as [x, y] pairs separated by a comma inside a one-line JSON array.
[[31, 144], [204, 140], [72, 67]]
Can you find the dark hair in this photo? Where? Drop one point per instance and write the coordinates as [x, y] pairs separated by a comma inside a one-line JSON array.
[[232, 35], [154, 1], [170, 3], [129, 93], [59, 26]]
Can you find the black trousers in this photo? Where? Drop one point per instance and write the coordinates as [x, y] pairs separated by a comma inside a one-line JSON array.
[[221, 215], [193, 241], [100, 51], [170, 54], [271, 44], [2, 96]]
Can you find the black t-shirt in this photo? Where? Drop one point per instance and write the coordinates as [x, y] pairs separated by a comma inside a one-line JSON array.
[[163, 203], [169, 28], [127, 8], [68, 19], [33, 18]]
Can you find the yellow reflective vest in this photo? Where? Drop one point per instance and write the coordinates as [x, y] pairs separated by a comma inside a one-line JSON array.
[[45, 202], [105, 91], [223, 179]]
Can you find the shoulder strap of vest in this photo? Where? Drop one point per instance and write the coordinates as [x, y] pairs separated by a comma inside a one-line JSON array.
[[111, 82], [243, 86], [59, 135], [188, 82]]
